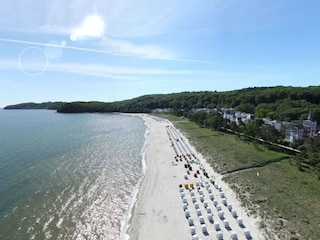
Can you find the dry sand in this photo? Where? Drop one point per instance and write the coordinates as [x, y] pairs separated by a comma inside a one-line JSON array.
[[159, 211]]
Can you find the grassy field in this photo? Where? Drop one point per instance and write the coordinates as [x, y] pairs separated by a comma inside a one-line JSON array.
[[226, 152], [287, 200]]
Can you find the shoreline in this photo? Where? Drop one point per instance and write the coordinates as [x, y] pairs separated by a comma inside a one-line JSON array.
[[157, 210], [127, 221]]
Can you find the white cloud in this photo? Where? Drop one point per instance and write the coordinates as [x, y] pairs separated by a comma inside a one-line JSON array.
[[113, 47], [117, 24], [132, 18], [112, 21], [101, 70], [114, 72], [9, 64], [123, 47]]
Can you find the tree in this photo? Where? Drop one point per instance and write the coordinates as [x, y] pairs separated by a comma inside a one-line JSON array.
[[252, 129], [269, 133], [246, 107], [198, 117], [315, 112], [214, 121], [300, 157]]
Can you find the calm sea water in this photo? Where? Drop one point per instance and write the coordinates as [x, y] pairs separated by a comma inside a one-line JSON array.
[[67, 176]]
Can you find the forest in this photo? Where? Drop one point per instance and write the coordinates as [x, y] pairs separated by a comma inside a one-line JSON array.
[[31, 105], [280, 103]]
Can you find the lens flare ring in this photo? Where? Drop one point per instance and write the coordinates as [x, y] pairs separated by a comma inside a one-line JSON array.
[[29, 60]]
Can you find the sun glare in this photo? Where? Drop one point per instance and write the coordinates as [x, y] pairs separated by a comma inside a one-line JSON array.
[[92, 26]]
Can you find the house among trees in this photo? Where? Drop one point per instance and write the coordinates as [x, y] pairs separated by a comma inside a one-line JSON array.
[[294, 133], [310, 127], [162, 110], [301, 132], [275, 123], [237, 117], [207, 110]]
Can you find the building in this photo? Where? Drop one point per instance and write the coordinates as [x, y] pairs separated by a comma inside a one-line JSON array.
[[162, 110], [238, 117], [310, 127], [275, 123], [207, 110], [294, 133]]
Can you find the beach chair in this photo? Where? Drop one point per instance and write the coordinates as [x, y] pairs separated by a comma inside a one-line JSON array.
[[246, 233], [234, 235], [221, 215], [239, 221], [219, 235]]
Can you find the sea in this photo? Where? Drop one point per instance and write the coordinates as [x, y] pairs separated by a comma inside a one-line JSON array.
[[68, 176]]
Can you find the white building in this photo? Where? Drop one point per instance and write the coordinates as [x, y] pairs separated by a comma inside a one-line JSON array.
[[310, 127], [162, 110], [307, 130], [237, 117], [207, 110], [275, 123], [294, 133]]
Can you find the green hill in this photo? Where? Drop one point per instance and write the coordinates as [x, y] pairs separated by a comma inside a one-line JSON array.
[[281, 103], [31, 105]]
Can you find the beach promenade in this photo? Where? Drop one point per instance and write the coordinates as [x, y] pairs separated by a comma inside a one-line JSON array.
[[181, 197]]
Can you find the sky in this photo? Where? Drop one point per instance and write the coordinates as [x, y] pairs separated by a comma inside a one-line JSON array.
[[103, 50]]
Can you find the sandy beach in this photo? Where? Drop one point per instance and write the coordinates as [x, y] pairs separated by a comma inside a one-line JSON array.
[[181, 197]]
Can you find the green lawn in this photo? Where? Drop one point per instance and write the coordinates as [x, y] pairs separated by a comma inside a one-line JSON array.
[[226, 152], [287, 200]]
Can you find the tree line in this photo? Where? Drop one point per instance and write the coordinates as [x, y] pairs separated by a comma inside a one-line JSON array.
[[32, 105], [280, 103]]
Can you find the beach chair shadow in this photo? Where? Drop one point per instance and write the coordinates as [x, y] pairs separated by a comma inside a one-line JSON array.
[[228, 228], [242, 226], [205, 233]]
